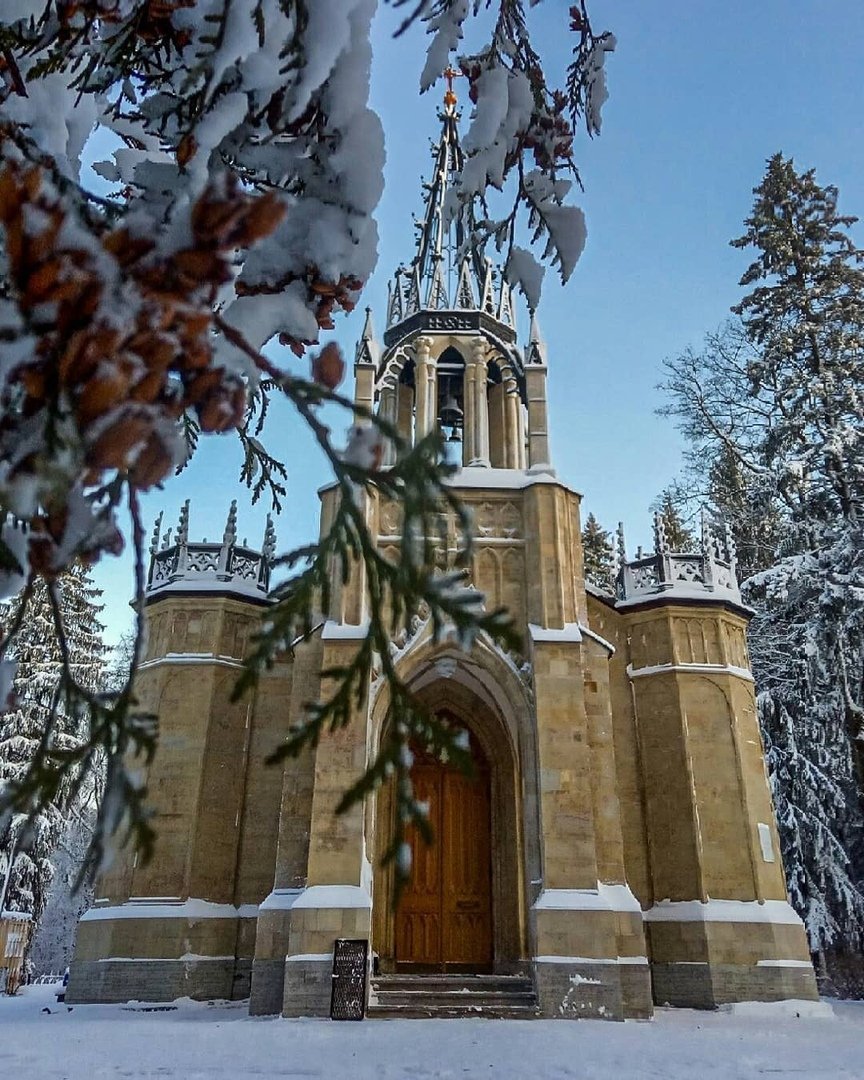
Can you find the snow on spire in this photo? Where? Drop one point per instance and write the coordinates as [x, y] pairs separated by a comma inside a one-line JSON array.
[[620, 544], [707, 536], [412, 301]]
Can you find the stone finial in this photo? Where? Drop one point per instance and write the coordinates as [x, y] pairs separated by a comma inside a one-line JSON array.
[[166, 539], [437, 298], [465, 297], [731, 552], [395, 309], [269, 545], [661, 541], [229, 536], [707, 535], [487, 298], [157, 532], [413, 301], [183, 525], [505, 305], [536, 350], [367, 347]]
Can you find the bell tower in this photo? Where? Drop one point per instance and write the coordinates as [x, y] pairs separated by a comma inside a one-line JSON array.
[[450, 357]]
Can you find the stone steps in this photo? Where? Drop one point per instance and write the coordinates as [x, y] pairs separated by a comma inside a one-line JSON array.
[[452, 996]]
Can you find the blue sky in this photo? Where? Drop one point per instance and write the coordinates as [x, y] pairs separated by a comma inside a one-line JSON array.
[[701, 93]]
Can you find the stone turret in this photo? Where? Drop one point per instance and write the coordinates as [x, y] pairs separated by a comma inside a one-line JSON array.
[[702, 844], [184, 923]]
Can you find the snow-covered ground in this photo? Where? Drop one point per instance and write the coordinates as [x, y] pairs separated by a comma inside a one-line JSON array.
[[192, 1041]]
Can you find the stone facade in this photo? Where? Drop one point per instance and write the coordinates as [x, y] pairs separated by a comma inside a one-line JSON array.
[[635, 857]]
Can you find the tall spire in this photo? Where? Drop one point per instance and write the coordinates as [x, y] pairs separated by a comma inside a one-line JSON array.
[[437, 237], [447, 272]]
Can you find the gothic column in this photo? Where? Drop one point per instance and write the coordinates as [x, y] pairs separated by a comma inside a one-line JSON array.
[[405, 413], [476, 432], [425, 382], [538, 427], [387, 410], [512, 426]]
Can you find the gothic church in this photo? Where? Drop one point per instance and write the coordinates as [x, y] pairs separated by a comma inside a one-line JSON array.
[[616, 845]]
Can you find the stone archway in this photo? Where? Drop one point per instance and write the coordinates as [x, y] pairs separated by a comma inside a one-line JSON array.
[[462, 696]]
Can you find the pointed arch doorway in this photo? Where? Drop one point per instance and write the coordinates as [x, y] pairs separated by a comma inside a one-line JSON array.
[[444, 918]]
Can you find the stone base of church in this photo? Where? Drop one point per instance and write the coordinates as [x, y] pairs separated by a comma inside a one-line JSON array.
[[319, 916], [579, 988], [308, 985], [162, 951], [136, 979], [705, 986], [712, 955], [591, 958]]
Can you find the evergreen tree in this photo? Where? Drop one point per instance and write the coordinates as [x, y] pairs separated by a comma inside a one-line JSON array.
[[598, 554], [773, 414], [678, 536], [806, 318], [743, 500], [811, 761], [38, 653]]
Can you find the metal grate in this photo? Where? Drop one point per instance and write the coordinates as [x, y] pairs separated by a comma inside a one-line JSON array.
[[348, 995]]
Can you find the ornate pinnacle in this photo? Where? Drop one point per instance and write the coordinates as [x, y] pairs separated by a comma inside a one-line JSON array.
[[230, 535], [661, 543], [536, 350], [183, 525], [157, 530], [731, 548], [620, 544], [269, 546], [707, 536]]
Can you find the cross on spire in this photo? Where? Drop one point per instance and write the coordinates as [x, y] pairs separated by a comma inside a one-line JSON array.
[[450, 74]]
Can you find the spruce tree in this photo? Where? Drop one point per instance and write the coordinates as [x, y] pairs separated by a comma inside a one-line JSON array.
[[598, 554], [38, 653], [678, 536], [773, 414], [745, 502], [806, 318]]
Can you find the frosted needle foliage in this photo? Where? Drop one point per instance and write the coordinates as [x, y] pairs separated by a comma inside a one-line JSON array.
[[247, 168]]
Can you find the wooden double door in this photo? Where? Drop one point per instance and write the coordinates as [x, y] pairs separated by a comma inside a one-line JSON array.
[[444, 918]]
